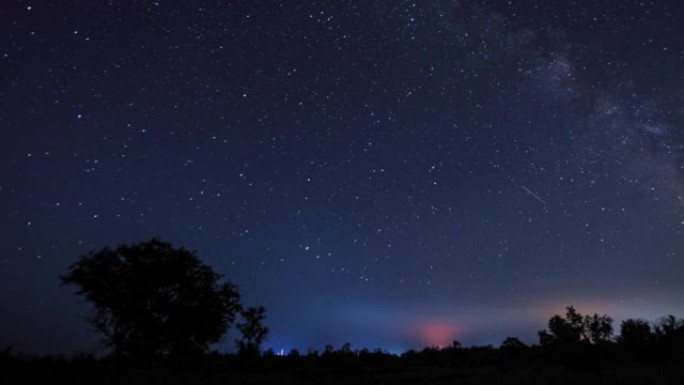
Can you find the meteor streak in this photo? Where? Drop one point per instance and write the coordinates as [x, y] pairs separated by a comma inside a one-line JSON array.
[[533, 195]]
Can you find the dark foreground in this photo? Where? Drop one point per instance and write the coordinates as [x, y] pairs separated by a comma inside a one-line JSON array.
[[461, 366]]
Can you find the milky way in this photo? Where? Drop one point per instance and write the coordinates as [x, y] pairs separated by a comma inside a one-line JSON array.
[[393, 174]]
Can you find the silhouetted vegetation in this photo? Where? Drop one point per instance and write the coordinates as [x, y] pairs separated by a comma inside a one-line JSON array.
[[152, 299], [253, 331], [574, 329], [153, 302]]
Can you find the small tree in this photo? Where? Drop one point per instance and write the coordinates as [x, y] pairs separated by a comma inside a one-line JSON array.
[[153, 299], [253, 331]]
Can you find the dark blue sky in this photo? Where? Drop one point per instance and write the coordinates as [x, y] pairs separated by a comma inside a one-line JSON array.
[[388, 173]]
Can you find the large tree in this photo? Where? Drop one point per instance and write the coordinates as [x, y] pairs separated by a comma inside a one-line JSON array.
[[153, 299]]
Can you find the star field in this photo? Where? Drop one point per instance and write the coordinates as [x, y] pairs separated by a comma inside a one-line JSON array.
[[368, 171]]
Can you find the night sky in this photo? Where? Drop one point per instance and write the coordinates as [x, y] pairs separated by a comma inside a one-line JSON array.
[[393, 174]]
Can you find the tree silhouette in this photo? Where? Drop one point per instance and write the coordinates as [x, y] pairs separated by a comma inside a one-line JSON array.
[[153, 299], [669, 335], [575, 328], [635, 334], [513, 344], [328, 349], [669, 327], [253, 331], [598, 329], [345, 349], [563, 331]]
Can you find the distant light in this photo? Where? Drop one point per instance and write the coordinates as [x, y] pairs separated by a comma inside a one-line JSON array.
[[438, 334]]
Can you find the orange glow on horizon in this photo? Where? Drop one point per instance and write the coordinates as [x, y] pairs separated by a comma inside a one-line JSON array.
[[437, 334]]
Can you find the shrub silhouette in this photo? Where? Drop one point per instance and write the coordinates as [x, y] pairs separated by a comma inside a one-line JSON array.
[[513, 344], [152, 299]]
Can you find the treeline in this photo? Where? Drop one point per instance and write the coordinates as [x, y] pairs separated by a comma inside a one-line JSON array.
[[588, 336], [160, 309], [584, 347], [154, 301], [569, 339]]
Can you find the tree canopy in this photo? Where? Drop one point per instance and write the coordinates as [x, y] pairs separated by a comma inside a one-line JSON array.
[[153, 299], [575, 328]]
